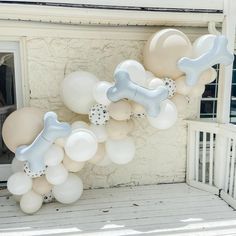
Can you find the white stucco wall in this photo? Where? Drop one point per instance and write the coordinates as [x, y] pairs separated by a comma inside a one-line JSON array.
[[160, 155]]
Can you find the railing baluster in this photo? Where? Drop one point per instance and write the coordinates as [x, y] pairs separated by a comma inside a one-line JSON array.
[[226, 185], [204, 158], [231, 182], [211, 158], [197, 156]]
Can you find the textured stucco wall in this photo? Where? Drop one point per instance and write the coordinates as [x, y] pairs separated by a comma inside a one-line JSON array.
[[160, 156]]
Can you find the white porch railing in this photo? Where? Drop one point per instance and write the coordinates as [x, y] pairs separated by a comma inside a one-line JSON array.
[[211, 162]]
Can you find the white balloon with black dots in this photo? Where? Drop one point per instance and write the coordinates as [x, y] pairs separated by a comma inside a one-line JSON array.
[[33, 174], [48, 197], [98, 114], [171, 86]]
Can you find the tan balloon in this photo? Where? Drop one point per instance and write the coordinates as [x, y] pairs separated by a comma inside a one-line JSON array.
[[118, 129], [120, 110], [180, 101], [41, 185], [99, 154], [197, 91], [22, 126], [72, 166], [181, 86], [137, 108], [163, 50], [208, 76]]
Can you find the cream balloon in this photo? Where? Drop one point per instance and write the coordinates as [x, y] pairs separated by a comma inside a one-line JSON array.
[[60, 142], [135, 70], [155, 83], [54, 155], [197, 91], [149, 77], [180, 102], [100, 92], [70, 191], [22, 126], [81, 145], [56, 174], [120, 110], [72, 166], [19, 183], [99, 155], [31, 202], [79, 125], [41, 185], [118, 129], [121, 151], [17, 166], [100, 132], [163, 50], [167, 116], [106, 161], [77, 91], [181, 86], [208, 76], [17, 198]]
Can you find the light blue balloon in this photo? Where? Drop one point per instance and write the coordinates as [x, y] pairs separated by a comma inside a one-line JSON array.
[[215, 55], [34, 153], [124, 87]]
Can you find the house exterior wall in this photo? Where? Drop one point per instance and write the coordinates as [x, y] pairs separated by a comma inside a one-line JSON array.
[[160, 155]]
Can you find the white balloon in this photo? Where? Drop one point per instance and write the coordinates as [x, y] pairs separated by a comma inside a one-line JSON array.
[[167, 116], [72, 166], [100, 92], [155, 83], [31, 202], [70, 191], [135, 70], [121, 151], [100, 132], [19, 183], [106, 161], [79, 125], [56, 174], [17, 166], [77, 91], [81, 145], [54, 155]]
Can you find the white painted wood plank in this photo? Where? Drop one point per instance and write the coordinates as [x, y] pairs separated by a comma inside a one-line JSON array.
[[232, 169], [197, 155], [228, 158], [211, 159], [204, 158]]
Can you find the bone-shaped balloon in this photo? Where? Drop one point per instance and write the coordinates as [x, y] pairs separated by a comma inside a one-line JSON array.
[[216, 55], [34, 153], [124, 87]]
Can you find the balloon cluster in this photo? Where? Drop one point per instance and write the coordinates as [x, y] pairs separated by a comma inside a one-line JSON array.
[[48, 154]]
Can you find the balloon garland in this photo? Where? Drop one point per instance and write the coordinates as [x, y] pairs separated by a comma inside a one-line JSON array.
[[48, 153]]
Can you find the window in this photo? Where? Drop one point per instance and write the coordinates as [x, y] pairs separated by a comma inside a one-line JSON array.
[[208, 108]]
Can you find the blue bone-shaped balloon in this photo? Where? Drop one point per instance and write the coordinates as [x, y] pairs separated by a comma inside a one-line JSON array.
[[217, 54], [124, 87], [34, 153]]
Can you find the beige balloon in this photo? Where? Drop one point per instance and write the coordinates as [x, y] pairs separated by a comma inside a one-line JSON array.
[[137, 108], [208, 76], [180, 101], [99, 154], [72, 166], [163, 50], [41, 185], [181, 86], [197, 91], [120, 110], [22, 126], [118, 129]]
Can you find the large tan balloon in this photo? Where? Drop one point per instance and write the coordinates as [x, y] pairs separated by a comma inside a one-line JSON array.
[[22, 126], [118, 129], [207, 76], [163, 50], [181, 86], [120, 110], [180, 101], [41, 185], [197, 91], [72, 166], [99, 155]]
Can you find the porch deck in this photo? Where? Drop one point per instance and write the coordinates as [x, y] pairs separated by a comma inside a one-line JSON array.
[[167, 209]]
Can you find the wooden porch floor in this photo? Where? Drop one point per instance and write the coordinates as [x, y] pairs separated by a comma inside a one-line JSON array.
[[168, 209]]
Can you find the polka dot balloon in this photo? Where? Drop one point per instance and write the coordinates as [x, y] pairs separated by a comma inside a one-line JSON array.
[[32, 174], [48, 197], [98, 114], [171, 86]]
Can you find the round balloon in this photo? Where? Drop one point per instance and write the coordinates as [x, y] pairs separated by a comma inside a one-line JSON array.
[[121, 151], [72, 166], [22, 126], [79, 125], [135, 70], [163, 50], [56, 174], [70, 191], [54, 155], [41, 185], [17, 166], [77, 91], [181, 86], [19, 183], [180, 102], [167, 116], [155, 83], [197, 91], [137, 110], [120, 110], [32, 174], [100, 92], [31, 202], [98, 114], [99, 155], [81, 145], [171, 86], [100, 132], [48, 197], [208, 76]]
